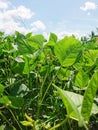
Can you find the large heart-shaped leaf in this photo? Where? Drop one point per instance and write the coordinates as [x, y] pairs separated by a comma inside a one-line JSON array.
[[67, 50]]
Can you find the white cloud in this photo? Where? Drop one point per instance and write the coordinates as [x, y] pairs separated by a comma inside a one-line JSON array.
[[22, 12], [3, 5], [88, 6], [62, 34], [88, 13], [19, 13], [38, 25], [46, 35], [11, 26], [11, 19], [61, 29]]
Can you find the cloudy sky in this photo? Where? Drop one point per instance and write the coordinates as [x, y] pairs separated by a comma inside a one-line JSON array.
[[63, 17]]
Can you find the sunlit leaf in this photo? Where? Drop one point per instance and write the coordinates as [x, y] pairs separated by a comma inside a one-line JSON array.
[[36, 41], [63, 74], [81, 79], [89, 95], [1, 89], [53, 37], [67, 50], [2, 127], [71, 107], [90, 57]]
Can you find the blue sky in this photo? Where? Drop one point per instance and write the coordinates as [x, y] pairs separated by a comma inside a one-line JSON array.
[[63, 17]]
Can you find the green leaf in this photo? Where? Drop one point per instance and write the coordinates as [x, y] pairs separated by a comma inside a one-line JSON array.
[[74, 101], [16, 102], [67, 50], [1, 34], [2, 127], [77, 99], [19, 35], [18, 67], [89, 95], [81, 79], [11, 101], [8, 44], [71, 107], [63, 74], [53, 37], [90, 57], [23, 46], [28, 35], [26, 69], [19, 90], [50, 44], [31, 62], [19, 59], [36, 41], [5, 101], [1, 89]]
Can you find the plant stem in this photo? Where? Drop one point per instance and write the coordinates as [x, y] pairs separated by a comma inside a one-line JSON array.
[[15, 119], [40, 94], [7, 121], [60, 124]]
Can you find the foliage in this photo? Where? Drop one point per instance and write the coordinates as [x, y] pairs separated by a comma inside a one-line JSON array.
[[48, 84]]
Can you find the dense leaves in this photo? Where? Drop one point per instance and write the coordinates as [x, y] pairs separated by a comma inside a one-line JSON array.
[[30, 66]]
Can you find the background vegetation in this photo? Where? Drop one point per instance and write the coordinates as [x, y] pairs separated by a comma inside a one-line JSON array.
[[48, 84]]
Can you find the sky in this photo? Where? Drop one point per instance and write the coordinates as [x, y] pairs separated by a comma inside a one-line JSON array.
[[62, 17]]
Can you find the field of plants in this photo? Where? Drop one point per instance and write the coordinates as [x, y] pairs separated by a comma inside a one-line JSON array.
[[48, 84]]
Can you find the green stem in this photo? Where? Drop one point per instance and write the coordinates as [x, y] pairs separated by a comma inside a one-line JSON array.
[[7, 121], [40, 94], [15, 119], [46, 91], [48, 88], [60, 124]]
